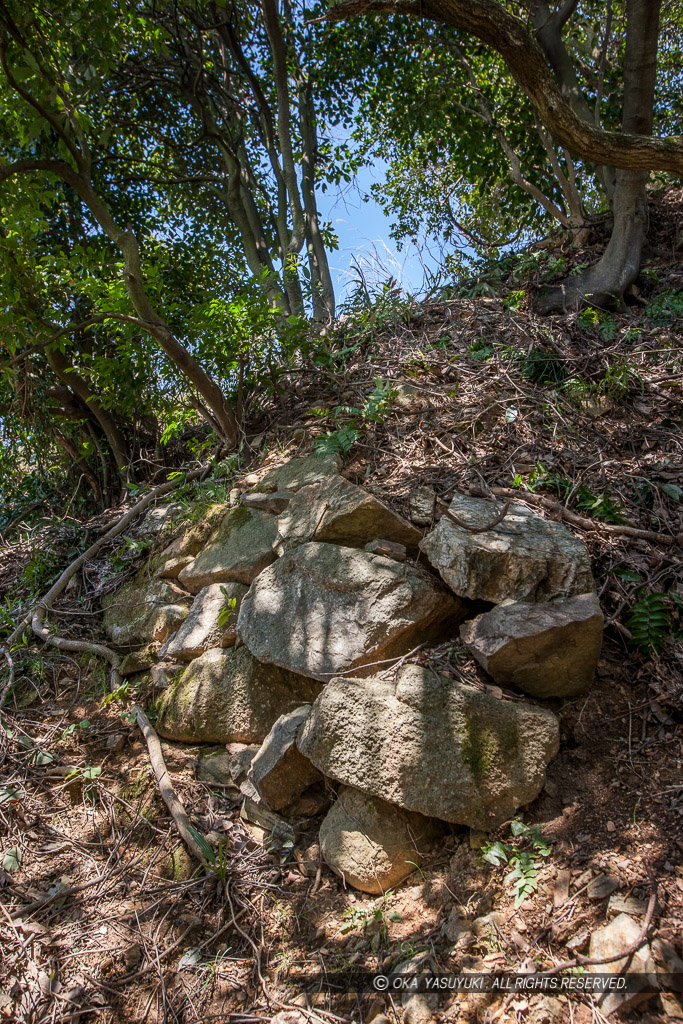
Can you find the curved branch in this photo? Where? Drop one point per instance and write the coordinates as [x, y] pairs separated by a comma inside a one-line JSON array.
[[490, 22]]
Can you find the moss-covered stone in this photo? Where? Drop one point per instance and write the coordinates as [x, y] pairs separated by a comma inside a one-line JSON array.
[[227, 696], [238, 551], [144, 609], [432, 745]]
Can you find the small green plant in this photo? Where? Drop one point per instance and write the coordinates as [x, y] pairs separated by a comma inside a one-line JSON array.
[[379, 401], [514, 301], [619, 379], [654, 619], [543, 367], [604, 322], [377, 917], [522, 857], [665, 308], [130, 550], [228, 609], [71, 729], [601, 506], [480, 351], [121, 693], [336, 442]]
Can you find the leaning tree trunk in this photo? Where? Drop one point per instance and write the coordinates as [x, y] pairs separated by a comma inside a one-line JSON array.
[[605, 283]]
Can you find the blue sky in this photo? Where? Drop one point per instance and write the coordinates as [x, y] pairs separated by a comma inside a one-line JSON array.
[[363, 232]]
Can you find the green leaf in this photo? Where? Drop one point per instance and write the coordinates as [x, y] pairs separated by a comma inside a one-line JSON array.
[[12, 860], [203, 844]]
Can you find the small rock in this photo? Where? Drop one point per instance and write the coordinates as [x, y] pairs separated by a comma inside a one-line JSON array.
[[240, 756], [234, 497], [561, 887], [611, 827], [620, 904], [602, 886], [609, 941], [458, 930], [546, 650], [282, 833], [214, 766], [279, 772], [666, 955], [115, 742], [251, 479], [477, 839], [672, 1006], [139, 661], [546, 1010], [578, 941], [489, 925], [421, 505], [372, 844], [387, 548]]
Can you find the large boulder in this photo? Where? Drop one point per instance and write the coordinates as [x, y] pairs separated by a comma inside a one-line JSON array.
[[547, 650], [372, 844], [144, 609], [521, 558], [339, 512], [431, 744], [201, 630], [279, 772], [323, 609], [297, 473], [226, 696], [238, 551]]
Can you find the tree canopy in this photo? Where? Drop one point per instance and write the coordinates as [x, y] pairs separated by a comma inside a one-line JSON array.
[[163, 256]]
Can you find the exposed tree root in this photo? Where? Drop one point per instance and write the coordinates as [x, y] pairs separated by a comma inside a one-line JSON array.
[[37, 616], [169, 795]]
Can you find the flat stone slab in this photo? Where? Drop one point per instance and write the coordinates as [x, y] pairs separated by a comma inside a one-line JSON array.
[[547, 650], [238, 551], [372, 844], [297, 473], [338, 512], [226, 696], [432, 745], [279, 772], [322, 609], [200, 631], [275, 502], [522, 558]]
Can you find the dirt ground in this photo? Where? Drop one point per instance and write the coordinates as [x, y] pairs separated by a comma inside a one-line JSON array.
[[103, 916]]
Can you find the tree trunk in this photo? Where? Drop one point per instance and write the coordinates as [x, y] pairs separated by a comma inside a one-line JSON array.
[[80, 387], [605, 283]]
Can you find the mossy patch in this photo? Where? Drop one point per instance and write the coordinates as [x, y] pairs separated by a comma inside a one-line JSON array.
[[484, 746]]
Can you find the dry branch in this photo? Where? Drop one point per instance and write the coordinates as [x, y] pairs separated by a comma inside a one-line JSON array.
[[571, 517], [169, 795]]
